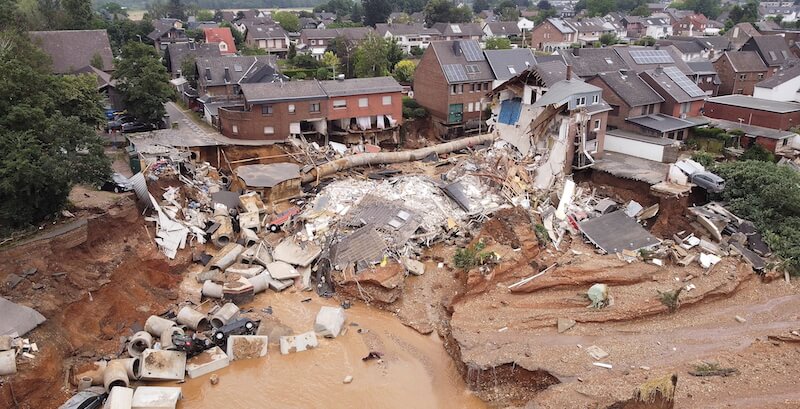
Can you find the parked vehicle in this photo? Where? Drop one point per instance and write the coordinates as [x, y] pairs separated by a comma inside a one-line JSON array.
[[276, 223], [137, 126], [118, 184], [708, 181], [242, 326], [116, 123]]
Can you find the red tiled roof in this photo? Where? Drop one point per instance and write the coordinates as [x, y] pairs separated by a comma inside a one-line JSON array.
[[221, 35]]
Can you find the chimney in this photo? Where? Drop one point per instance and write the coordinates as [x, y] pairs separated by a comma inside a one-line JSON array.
[[569, 72], [227, 75], [657, 46], [659, 69], [208, 73], [456, 48]]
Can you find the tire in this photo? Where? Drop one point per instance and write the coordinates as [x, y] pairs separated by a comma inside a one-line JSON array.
[[117, 189], [249, 326], [274, 228]]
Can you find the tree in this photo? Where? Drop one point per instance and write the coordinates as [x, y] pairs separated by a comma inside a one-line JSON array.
[[646, 40], [498, 43], [480, 5], [376, 11], [189, 70], [404, 71], [120, 32], [757, 152], [330, 60], [544, 15], [403, 18], [443, 11], [292, 52], [409, 6], [641, 11], [204, 15], [600, 7], [580, 5], [371, 57], [77, 14], [176, 9], [143, 82], [746, 14], [345, 50], [507, 10], [114, 10], [323, 74], [609, 39], [709, 8], [357, 13], [45, 143], [305, 61], [767, 194], [544, 5], [288, 21]]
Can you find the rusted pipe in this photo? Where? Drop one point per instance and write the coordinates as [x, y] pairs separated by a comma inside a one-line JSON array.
[[365, 159]]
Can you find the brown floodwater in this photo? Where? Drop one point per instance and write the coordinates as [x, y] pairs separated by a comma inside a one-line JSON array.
[[415, 371]]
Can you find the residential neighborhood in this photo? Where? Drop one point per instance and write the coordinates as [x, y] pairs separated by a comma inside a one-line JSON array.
[[434, 204]]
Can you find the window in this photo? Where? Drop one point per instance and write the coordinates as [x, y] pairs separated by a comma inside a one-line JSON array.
[[596, 124], [268, 130], [739, 91], [475, 87], [313, 42], [313, 107], [235, 130], [742, 77], [453, 89], [512, 70], [485, 86], [469, 107], [363, 102], [685, 107], [387, 100], [580, 101], [761, 76], [461, 89], [339, 104], [266, 109], [595, 99], [291, 108]]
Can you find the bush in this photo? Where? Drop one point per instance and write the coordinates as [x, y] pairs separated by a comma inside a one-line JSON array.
[[413, 110], [471, 256], [757, 152], [417, 51], [323, 74], [704, 158]]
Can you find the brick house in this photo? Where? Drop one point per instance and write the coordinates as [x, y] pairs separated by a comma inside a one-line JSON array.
[[629, 96], [754, 111], [351, 111], [682, 97], [739, 71], [552, 34], [167, 31], [223, 37], [451, 81], [772, 49], [316, 41], [271, 38], [690, 25], [705, 76], [459, 31]]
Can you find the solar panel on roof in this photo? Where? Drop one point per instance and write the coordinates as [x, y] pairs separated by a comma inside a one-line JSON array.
[[454, 72], [472, 51], [651, 57], [684, 82]]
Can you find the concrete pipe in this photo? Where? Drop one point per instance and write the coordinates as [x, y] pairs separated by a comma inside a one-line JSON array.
[[224, 234], [115, 375], [249, 236], [220, 210], [133, 367], [226, 257], [166, 337], [139, 342], [224, 315], [192, 318], [85, 382], [260, 282], [155, 325], [94, 373], [212, 289]]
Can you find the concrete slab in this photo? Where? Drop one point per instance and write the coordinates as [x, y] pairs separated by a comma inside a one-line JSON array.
[[18, 318], [163, 365], [299, 343], [120, 397], [206, 362], [247, 346], [156, 397], [245, 270], [329, 322], [630, 167], [5, 342], [280, 270], [299, 254], [8, 362]]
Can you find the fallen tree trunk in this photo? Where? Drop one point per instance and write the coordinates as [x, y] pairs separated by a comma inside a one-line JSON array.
[[380, 158]]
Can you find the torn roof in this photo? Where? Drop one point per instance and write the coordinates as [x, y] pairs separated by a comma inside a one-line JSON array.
[[615, 232], [267, 175], [363, 245], [508, 63]]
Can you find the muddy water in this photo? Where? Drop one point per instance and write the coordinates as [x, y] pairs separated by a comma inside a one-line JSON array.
[[415, 372]]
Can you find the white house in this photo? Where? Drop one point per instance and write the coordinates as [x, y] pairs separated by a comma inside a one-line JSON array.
[[657, 27], [525, 24], [784, 85], [408, 35]]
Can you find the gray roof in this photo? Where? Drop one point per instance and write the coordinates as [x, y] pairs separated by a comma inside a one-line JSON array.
[[685, 47], [718, 43], [405, 29], [588, 25], [760, 104], [238, 68], [267, 175], [743, 32], [550, 72], [654, 21], [616, 232], [448, 59], [265, 31], [669, 86], [72, 50], [561, 25], [464, 29], [752, 130], [508, 28], [632, 89], [745, 61], [661, 122], [562, 90], [773, 49], [587, 62], [517, 59], [784, 74], [702, 67], [282, 91], [177, 52], [677, 61], [350, 33], [161, 27], [360, 86]]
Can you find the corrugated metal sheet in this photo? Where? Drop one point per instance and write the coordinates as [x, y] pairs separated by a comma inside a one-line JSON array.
[[140, 187]]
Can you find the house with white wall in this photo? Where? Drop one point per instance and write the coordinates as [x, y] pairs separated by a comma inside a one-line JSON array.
[[784, 85]]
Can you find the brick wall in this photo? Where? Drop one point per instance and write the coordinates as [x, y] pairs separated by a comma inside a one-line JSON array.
[[732, 82], [546, 33], [430, 85], [752, 116], [250, 123], [374, 106]]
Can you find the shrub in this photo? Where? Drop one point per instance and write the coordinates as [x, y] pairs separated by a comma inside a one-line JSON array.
[[757, 152], [704, 158], [471, 256]]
